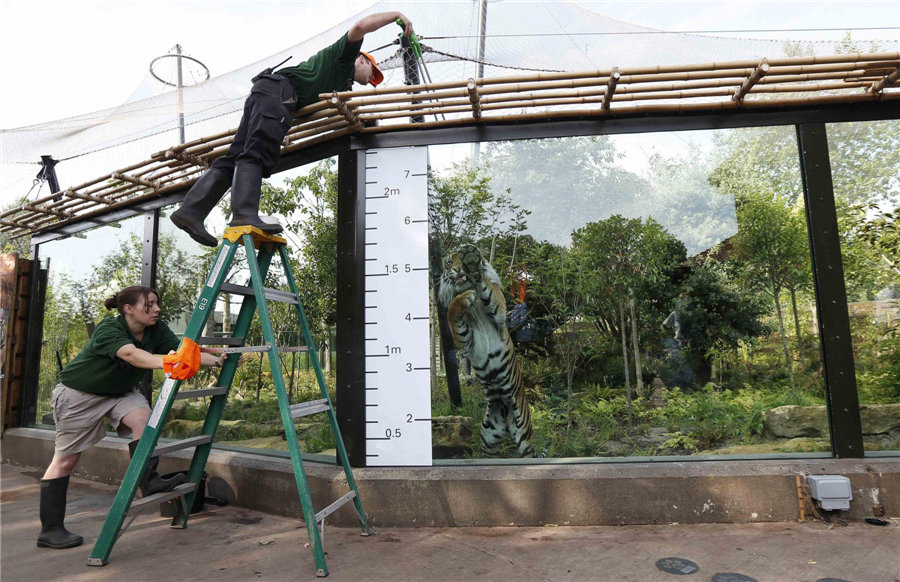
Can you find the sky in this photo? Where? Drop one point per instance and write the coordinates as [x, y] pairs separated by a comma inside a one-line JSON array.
[[60, 59]]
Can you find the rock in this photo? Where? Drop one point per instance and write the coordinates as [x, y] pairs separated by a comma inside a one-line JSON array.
[[616, 449], [655, 436], [796, 421], [811, 421], [798, 445], [274, 443], [451, 436], [657, 397], [879, 418], [182, 429], [48, 419]]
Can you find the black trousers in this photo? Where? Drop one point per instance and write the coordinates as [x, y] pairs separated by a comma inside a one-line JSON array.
[[267, 117]]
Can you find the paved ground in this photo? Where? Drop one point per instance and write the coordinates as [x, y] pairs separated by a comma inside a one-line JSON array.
[[225, 544]]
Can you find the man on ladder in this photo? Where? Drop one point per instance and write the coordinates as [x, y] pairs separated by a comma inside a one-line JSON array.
[[267, 117]]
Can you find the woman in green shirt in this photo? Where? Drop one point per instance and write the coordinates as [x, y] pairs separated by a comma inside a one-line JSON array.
[[101, 383]]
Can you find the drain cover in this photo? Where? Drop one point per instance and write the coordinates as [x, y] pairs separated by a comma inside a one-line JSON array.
[[677, 566], [731, 577], [832, 580]]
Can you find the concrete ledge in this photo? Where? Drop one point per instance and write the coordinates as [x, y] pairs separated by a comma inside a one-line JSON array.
[[588, 494]]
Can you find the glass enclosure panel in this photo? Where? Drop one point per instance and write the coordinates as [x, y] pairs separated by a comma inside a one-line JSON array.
[[645, 294], [304, 200], [865, 162], [84, 269]]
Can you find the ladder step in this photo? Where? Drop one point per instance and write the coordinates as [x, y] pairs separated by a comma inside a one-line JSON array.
[[294, 349], [182, 489], [271, 294], [243, 350], [311, 407], [220, 341], [334, 506], [200, 393], [183, 444]]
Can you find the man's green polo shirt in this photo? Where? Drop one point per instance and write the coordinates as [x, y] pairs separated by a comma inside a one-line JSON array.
[[331, 69], [97, 370]]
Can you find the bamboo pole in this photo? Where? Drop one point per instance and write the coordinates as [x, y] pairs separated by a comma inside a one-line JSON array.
[[342, 108], [474, 98], [752, 80], [87, 197], [133, 180], [79, 187], [173, 183], [332, 118], [611, 88], [537, 77], [889, 80]]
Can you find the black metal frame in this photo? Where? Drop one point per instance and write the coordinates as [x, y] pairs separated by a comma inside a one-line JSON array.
[[149, 263], [37, 296], [842, 399], [351, 312], [831, 300]]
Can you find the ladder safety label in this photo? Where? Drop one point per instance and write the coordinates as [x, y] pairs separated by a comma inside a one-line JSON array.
[[398, 380], [220, 261], [161, 400]]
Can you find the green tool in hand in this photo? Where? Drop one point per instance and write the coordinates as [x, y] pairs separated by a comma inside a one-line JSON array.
[[417, 53], [413, 40]]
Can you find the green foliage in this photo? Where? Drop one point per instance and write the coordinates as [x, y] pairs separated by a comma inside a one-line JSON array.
[[716, 313]]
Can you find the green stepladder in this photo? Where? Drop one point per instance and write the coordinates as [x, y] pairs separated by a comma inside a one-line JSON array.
[[255, 299]]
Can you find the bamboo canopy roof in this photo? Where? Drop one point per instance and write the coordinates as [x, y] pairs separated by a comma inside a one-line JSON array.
[[807, 81]]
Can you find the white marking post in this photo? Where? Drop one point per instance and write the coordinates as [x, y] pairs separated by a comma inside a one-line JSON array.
[[398, 389]]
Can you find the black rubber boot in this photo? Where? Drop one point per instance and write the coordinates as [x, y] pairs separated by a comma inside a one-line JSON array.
[[245, 192], [152, 483], [53, 513], [199, 202]]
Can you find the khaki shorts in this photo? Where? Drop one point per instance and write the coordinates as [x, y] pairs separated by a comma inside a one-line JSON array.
[[79, 417]]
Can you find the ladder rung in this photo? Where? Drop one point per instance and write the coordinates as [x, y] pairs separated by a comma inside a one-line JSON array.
[[184, 394], [334, 506], [243, 350], [294, 349], [182, 489], [311, 407], [220, 341], [271, 294], [184, 444]]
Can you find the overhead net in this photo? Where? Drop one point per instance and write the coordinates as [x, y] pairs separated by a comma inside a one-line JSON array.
[[533, 37]]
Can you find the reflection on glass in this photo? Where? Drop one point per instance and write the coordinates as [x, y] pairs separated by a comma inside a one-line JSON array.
[[865, 160], [622, 296], [84, 269], [305, 202]]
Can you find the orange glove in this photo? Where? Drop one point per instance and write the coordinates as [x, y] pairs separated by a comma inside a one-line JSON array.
[[183, 364]]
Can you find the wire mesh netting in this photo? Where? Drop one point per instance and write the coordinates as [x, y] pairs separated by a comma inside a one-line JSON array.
[[535, 37]]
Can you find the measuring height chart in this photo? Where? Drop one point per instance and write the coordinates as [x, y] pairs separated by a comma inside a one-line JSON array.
[[398, 390]]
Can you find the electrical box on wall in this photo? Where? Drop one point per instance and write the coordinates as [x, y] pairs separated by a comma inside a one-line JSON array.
[[831, 491]]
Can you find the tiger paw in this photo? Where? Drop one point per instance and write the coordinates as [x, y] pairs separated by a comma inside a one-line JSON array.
[[470, 257], [467, 297]]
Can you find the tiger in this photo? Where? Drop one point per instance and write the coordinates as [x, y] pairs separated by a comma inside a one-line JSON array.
[[471, 292]]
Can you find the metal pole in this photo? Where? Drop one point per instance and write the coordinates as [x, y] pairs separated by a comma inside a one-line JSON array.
[[482, 30], [351, 312], [841, 397], [149, 260], [180, 95], [28, 397], [410, 72]]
